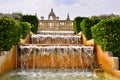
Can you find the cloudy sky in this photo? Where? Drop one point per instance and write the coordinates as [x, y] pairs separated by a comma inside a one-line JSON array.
[[61, 7]]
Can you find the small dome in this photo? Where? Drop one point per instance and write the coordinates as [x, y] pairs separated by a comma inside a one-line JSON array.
[[52, 15]]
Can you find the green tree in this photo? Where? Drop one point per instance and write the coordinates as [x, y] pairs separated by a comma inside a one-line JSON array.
[[86, 25], [107, 34], [76, 23], [33, 20], [25, 29], [10, 33]]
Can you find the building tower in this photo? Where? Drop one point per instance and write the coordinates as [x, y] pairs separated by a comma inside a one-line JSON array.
[[68, 17], [51, 15]]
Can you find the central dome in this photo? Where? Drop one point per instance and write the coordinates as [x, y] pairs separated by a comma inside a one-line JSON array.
[[51, 15]]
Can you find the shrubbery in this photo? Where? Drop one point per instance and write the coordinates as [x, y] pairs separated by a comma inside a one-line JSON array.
[[76, 23], [25, 29], [107, 34], [33, 20], [10, 33], [86, 25]]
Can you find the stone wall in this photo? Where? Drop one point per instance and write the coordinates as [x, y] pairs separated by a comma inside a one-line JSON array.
[[8, 59]]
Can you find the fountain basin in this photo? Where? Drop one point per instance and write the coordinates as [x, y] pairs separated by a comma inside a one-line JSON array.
[[42, 75]]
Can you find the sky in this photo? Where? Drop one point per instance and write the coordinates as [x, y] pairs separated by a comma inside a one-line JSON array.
[[61, 7]]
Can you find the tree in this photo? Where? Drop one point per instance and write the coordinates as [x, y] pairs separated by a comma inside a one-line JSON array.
[[86, 25], [77, 21], [25, 29], [33, 20], [10, 33], [107, 34]]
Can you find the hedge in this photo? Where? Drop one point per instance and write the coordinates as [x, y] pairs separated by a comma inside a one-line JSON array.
[[10, 33], [25, 29], [33, 20], [107, 34], [76, 23], [86, 25]]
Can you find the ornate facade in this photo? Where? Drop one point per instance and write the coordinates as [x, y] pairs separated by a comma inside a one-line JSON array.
[[53, 23]]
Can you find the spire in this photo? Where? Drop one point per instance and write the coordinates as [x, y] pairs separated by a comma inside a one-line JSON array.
[[68, 17], [52, 10], [35, 14]]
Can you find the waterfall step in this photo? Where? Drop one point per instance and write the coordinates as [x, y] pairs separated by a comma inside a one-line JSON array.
[[54, 36], [54, 47], [56, 32], [56, 57], [55, 39]]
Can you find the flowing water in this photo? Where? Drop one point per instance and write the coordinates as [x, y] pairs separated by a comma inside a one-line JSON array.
[[56, 32], [55, 55], [63, 57], [55, 39]]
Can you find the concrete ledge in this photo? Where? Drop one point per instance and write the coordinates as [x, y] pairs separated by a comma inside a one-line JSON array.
[[116, 63], [3, 56], [109, 53], [26, 40], [8, 61], [102, 73], [111, 76], [99, 72]]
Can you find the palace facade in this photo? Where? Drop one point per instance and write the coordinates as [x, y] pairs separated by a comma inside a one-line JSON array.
[[53, 23]]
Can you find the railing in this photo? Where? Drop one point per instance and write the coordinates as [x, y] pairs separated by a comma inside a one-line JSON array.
[[55, 25]]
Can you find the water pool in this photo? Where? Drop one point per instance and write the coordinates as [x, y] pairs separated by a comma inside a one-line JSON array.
[[52, 76]]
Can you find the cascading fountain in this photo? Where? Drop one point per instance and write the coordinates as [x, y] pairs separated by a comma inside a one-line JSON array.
[[56, 53], [55, 56]]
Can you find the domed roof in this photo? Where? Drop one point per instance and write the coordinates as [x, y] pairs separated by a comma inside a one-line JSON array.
[[52, 14]]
